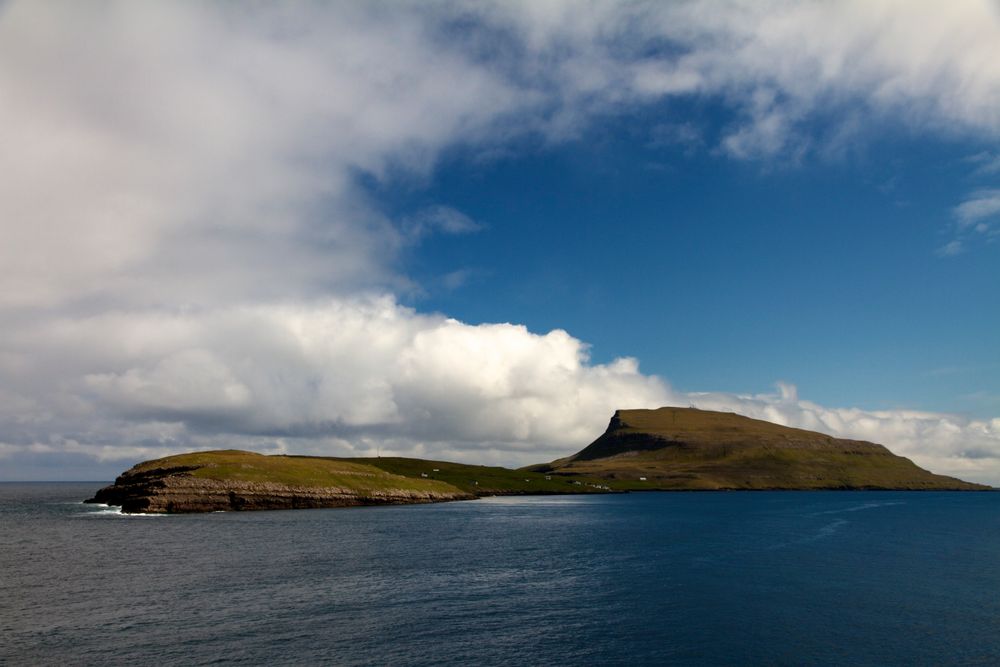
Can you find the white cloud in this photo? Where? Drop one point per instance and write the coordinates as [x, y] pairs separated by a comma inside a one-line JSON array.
[[981, 205], [988, 163], [364, 375], [977, 218], [951, 248], [350, 370], [444, 219], [185, 237], [148, 146]]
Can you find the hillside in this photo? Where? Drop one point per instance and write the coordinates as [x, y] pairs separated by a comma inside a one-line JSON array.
[[664, 449], [238, 480], [686, 448], [487, 480]]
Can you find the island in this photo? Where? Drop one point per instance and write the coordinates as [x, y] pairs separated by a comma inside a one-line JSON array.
[[237, 480], [691, 449], [224, 480], [668, 449]]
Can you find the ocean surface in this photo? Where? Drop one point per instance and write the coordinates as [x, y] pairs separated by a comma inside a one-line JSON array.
[[783, 578]]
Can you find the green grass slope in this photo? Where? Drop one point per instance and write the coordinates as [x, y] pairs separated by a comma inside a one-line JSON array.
[[685, 448], [486, 480], [366, 474], [296, 471]]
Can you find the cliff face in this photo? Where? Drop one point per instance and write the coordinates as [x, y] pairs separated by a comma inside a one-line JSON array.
[[230, 480], [685, 448], [665, 449]]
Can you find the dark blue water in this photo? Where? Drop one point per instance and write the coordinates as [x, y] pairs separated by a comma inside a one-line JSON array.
[[685, 578]]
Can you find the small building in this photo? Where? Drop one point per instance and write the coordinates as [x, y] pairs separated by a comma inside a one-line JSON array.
[[642, 479]]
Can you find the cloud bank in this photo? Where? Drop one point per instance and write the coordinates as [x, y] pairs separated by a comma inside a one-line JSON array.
[[366, 376], [190, 258]]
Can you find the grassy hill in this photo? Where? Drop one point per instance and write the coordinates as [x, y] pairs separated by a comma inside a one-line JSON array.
[[685, 448], [237, 480], [299, 471], [665, 449], [487, 480]]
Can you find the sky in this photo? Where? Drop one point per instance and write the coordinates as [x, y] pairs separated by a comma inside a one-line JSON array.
[[472, 230]]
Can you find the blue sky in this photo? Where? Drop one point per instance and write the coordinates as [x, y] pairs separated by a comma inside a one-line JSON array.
[[471, 231], [730, 275]]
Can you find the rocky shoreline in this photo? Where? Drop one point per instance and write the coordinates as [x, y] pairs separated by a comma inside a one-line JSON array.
[[176, 491]]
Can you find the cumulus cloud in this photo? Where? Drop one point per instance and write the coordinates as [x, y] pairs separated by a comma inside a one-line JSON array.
[[366, 375], [348, 372], [188, 242], [147, 145]]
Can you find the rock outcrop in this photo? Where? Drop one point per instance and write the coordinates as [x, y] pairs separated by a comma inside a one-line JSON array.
[[664, 449], [215, 483], [686, 448]]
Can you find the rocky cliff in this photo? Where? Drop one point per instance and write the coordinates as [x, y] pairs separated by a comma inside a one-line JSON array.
[[236, 480], [664, 449], [685, 448]]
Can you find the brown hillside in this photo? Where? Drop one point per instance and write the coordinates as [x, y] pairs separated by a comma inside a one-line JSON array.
[[686, 448]]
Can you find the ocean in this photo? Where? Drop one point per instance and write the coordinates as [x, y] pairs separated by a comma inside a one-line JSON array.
[[755, 578]]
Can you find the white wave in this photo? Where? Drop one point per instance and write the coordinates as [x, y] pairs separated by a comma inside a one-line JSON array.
[[825, 531], [858, 508], [100, 510], [569, 499]]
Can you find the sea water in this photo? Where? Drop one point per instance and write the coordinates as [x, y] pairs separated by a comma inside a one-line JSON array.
[[768, 578]]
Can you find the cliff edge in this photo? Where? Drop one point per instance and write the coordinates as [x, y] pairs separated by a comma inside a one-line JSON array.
[[686, 448], [237, 480]]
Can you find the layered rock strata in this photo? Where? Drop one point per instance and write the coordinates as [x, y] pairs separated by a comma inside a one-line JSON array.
[[176, 490]]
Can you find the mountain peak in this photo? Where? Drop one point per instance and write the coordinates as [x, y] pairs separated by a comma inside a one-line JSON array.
[[680, 448]]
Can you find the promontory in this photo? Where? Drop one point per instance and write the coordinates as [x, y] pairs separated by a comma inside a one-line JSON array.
[[688, 449], [668, 449]]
